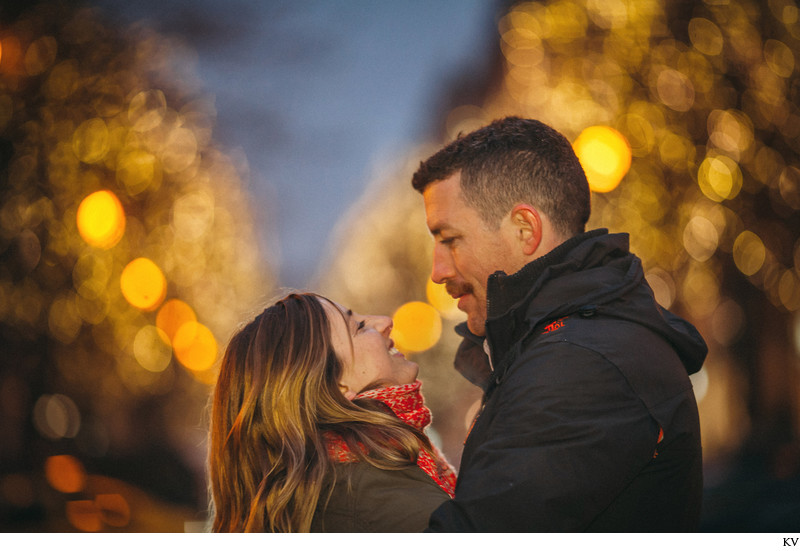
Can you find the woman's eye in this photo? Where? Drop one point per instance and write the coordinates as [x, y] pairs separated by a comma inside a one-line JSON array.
[[361, 325]]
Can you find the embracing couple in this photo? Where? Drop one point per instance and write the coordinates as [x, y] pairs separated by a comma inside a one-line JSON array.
[[588, 419]]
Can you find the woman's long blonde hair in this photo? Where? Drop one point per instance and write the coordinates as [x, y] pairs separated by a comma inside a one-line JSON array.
[[277, 394]]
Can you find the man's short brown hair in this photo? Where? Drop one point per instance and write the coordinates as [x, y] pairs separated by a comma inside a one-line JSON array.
[[512, 161]]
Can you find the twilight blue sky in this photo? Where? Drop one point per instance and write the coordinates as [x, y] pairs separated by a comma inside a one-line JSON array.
[[317, 92]]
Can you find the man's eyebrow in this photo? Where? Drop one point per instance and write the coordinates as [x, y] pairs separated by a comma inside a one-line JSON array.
[[438, 228]]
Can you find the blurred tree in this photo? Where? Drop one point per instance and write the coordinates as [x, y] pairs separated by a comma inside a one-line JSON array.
[[104, 358]]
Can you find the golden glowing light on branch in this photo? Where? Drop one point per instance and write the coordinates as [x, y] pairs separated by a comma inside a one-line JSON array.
[[101, 219], [143, 284], [417, 326], [605, 156]]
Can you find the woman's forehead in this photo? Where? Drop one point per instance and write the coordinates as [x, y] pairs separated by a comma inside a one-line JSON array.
[[337, 313]]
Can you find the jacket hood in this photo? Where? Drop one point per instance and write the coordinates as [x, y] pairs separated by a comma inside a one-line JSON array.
[[592, 273]]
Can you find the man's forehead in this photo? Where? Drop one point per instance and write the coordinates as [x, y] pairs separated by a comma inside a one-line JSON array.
[[444, 205]]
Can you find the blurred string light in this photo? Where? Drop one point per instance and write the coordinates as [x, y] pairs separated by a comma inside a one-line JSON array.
[[126, 241]]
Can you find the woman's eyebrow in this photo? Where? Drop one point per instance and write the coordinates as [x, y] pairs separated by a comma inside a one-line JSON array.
[[350, 322]]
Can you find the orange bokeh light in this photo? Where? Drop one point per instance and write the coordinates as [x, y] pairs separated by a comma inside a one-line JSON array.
[[605, 156], [172, 315], [114, 509], [417, 326], [84, 515], [143, 284], [195, 346], [444, 303], [65, 473], [101, 219]]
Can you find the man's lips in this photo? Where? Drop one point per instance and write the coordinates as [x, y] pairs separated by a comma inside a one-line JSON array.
[[457, 290]]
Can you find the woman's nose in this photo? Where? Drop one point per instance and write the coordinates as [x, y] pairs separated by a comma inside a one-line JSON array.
[[383, 324]]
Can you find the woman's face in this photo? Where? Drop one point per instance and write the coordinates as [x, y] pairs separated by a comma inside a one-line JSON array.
[[373, 361]]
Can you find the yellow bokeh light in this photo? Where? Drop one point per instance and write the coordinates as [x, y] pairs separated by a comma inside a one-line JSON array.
[[91, 141], [749, 253], [444, 303], [151, 349], [700, 238], [195, 346], [137, 170], [172, 315], [605, 156], [417, 327], [143, 284], [719, 178], [101, 219]]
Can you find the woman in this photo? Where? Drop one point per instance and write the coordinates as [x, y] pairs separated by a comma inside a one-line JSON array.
[[317, 425]]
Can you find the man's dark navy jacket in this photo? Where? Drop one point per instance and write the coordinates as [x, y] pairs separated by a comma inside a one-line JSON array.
[[589, 420]]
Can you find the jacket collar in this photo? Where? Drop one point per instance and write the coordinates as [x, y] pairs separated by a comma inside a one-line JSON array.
[[506, 292]]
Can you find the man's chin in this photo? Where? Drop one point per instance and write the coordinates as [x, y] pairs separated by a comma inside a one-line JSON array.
[[476, 326]]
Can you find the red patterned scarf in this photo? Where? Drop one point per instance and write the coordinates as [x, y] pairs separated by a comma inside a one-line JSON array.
[[406, 402]]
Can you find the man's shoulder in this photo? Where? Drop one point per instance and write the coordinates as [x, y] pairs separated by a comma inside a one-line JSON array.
[[643, 358], [595, 330]]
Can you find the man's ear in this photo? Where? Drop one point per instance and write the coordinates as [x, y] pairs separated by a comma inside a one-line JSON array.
[[347, 391], [528, 227]]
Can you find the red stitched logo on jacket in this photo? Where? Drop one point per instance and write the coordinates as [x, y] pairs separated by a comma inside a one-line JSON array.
[[558, 324]]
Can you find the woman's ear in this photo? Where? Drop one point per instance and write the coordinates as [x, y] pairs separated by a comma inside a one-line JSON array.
[[528, 228], [347, 392]]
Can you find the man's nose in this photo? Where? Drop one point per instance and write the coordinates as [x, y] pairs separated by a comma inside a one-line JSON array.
[[442, 269]]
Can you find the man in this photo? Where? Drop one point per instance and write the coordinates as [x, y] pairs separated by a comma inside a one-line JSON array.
[[589, 420]]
